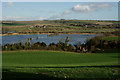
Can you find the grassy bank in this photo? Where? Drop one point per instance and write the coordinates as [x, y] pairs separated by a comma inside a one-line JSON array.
[[50, 58], [61, 73], [55, 64]]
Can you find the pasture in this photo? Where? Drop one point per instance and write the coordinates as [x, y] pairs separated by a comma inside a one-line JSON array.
[[55, 64], [58, 26], [56, 58]]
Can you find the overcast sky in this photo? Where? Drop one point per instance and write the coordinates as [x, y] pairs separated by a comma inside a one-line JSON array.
[[59, 10]]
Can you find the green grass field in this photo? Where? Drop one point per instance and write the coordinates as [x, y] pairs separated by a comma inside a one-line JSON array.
[[110, 38], [50, 58], [54, 64]]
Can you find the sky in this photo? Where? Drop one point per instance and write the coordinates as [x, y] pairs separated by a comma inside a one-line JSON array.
[[26, 11], [60, 0]]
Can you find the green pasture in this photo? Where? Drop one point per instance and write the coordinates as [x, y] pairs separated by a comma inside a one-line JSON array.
[[54, 58], [14, 24], [51, 65], [61, 73], [110, 38]]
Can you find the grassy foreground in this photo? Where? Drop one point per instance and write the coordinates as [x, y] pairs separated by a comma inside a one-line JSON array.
[[52, 64], [50, 58]]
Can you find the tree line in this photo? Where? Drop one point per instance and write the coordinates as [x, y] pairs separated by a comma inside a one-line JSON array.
[[92, 45]]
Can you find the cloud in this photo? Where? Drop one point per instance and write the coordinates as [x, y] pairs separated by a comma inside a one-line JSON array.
[[79, 8], [59, 16], [42, 18], [21, 18], [90, 7], [9, 3], [66, 12], [17, 18], [11, 17], [82, 8]]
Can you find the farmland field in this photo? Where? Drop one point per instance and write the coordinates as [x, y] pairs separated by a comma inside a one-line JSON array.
[[59, 26], [55, 64]]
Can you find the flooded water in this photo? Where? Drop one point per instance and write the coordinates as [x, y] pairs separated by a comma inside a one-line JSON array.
[[74, 38]]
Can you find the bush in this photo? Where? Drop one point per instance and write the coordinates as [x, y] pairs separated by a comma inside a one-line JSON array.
[[52, 46], [71, 48]]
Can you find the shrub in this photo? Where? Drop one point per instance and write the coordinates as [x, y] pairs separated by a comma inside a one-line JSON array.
[[71, 48]]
